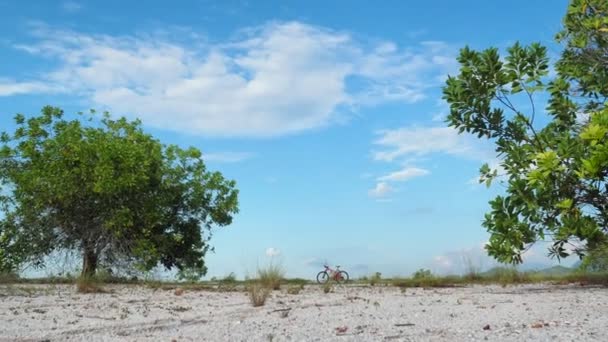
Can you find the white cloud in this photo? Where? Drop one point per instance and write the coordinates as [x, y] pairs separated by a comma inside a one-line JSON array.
[[412, 144], [272, 252], [227, 157], [10, 88], [276, 79], [419, 141], [382, 189], [405, 174]]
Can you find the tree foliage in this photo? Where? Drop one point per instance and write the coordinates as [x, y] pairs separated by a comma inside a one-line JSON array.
[[108, 189], [555, 161]]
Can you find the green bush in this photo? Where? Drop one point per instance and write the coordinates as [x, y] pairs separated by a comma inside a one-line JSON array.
[[424, 278], [375, 279], [422, 274]]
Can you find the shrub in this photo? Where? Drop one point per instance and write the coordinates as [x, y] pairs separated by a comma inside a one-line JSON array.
[[375, 278], [422, 274], [424, 278]]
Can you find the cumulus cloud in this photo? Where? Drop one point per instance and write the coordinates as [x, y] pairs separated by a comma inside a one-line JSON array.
[[408, 145], [419, 141], [10, 87], [272, 252], [404, 174], [382, 189], [272, 80], [383, 186]]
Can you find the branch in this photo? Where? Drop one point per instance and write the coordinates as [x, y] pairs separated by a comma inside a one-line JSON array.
[[509, 105], [523, 85]]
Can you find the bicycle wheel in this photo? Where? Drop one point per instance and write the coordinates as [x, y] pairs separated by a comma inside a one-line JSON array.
[[322, 277], [343, 277]]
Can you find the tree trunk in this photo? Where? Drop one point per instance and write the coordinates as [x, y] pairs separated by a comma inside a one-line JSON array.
[[89, 262]]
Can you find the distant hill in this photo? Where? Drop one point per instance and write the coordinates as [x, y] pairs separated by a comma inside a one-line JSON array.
[[556, 271], [494, 271], [577, 264]]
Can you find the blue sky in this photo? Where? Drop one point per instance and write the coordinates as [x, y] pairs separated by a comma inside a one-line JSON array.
[[328, 114]]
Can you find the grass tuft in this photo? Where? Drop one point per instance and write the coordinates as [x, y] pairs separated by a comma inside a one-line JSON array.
[[258, 293], [295, 289], [271, 276]]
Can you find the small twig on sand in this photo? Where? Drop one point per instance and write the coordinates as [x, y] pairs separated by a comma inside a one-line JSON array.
[[405, 324]]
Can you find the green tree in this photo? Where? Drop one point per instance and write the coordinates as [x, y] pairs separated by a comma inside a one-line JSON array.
[[596, 259], [109, 190], [555, 162]]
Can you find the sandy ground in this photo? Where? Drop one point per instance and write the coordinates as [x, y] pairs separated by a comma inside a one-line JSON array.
[[350, 313]]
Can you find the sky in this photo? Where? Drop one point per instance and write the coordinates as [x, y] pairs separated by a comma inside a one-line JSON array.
[[327, 114]]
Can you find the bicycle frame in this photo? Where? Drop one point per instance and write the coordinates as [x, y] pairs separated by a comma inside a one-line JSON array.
[[333, 273]]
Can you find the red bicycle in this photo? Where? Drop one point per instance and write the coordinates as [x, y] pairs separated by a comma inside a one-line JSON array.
[[336, 275]]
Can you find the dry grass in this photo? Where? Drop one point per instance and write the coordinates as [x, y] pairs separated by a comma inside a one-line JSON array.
[[89, 285], [295, 289], [20, 290], [258, 293], [9, 278], [504, 276], [228, 283], [271, 276], [171, 286], [328, 287]]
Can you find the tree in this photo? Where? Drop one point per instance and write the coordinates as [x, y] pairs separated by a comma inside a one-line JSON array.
[[109, 190], [596, 260], [555, 164]]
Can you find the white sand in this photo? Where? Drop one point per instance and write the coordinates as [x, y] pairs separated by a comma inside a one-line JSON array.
[[135, 313]]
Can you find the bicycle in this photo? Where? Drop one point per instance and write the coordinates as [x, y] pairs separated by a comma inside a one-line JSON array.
[[336, 275]]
